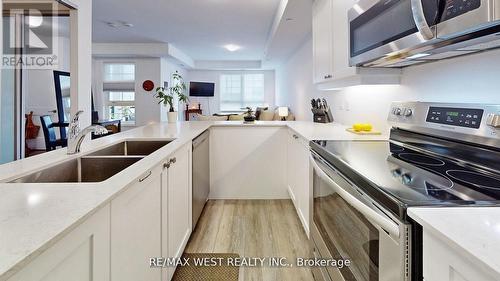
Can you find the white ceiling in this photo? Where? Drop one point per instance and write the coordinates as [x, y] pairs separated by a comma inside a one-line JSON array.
[[200, 28]]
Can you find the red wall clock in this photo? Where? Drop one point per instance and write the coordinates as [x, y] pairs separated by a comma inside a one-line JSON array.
[[148, 85]]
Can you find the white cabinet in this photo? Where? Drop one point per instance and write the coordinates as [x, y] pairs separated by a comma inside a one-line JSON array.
[[248, 163], [298, 176], [444, 263], [136, 229], [322, 40], [81, 255], [176, 205], [331, 50]]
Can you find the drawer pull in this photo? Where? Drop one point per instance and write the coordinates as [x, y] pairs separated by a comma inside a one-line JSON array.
[[173, 160], [166, 165], [144, 178]]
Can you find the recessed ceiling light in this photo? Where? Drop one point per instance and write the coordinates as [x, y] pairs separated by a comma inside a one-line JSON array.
[[232, 47]]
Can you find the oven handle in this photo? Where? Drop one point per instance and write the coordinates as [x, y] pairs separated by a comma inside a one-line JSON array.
[[386, 224], [424, 29]]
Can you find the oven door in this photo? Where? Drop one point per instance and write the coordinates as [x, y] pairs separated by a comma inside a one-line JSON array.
[[349, 225]]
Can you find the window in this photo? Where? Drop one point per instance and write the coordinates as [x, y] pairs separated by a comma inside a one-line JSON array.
[[238, 91], [119, 88], [121, 105], [119, 72]]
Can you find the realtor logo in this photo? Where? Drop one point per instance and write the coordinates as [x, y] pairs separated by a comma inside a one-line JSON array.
[[29, 37]]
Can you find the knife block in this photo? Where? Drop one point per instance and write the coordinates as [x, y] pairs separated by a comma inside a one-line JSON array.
[[322, 115]]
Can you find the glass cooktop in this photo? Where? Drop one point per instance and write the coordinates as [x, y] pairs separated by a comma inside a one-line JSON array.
[[410, 177]]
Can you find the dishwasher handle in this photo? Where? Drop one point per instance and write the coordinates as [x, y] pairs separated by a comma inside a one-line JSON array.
[[200, 139], [383, 222]]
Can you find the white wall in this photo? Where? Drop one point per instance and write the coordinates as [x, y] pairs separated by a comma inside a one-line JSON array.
[[469, 79], [211, 105], [294, 83]]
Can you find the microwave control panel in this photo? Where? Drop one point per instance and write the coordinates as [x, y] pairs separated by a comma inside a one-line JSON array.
[[454, 8], [461, 117]]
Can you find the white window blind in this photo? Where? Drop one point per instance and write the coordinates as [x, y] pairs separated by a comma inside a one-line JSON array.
[[238, 91], [119, 72]]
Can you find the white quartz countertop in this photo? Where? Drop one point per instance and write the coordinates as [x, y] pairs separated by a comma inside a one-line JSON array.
[[33, 216], [473, 231]]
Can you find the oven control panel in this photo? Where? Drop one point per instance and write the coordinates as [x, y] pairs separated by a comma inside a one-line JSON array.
[[454, 8], [461, 117]]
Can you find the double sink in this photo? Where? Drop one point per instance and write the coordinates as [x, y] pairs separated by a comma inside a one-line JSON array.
[[97, 166]]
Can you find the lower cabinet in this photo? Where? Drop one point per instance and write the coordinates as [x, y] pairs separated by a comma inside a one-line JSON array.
[[136, 229], [176, 206], [151, 218], [298, 176], [444, 263], [82, 255]]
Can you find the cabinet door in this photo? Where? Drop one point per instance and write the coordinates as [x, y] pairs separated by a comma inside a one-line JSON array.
[[136, 229], [81, 255], [322, 40], [340, 46], [303, 189], [298, 176], [176, 210], [291, 166]]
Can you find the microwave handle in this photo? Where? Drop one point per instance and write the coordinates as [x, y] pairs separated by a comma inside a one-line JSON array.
[[386, 224], [417, 10]]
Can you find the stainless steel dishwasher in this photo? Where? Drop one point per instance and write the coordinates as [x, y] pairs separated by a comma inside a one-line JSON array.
[[201, 174]]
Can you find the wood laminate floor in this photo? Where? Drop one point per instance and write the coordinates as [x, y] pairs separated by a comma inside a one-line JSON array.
[[254, 228]]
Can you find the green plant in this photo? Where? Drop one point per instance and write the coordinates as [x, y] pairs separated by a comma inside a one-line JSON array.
[[178, 89], [248, 111]]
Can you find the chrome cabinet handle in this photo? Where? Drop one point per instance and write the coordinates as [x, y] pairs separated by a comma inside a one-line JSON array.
[[417, 10], [295, 137], [166, 165], [144, 178], [328, 76], [173, 160]]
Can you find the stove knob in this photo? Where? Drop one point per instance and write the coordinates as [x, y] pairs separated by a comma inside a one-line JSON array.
[[406, 178], [493, 120], [408, 112], [397, 111]]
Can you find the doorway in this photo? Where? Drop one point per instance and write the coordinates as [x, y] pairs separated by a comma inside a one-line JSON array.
[[36, 46]]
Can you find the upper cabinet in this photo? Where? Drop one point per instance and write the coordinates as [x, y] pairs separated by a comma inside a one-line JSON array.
[[331, 50], [322, 40]]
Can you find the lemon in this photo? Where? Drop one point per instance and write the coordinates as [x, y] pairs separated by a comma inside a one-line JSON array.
[[367, 127], [357, 127]]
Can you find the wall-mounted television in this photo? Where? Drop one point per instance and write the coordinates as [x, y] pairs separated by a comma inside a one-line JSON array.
[[201, 89]]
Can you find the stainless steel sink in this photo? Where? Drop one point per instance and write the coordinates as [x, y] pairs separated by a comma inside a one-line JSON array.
[[84, 169], [135, 148]]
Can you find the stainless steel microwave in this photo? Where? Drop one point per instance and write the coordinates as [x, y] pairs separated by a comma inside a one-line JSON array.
[[397, 33]]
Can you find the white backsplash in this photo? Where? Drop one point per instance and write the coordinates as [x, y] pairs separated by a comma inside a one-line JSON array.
[[469, 79]]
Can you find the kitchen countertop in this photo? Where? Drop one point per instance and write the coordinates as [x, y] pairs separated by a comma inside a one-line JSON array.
[[473, 231], [33, 216]]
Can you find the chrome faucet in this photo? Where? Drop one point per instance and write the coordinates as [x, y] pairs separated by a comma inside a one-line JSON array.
[[76, 136]]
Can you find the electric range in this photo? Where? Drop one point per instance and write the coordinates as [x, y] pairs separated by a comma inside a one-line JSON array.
[[441, 155]]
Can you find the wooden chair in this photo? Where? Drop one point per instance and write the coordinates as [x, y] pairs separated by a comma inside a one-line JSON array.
[[51, 141]]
